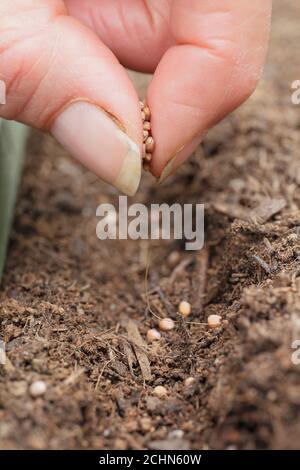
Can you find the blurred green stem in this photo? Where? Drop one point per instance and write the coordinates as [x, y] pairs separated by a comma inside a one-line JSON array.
[[12, 148]]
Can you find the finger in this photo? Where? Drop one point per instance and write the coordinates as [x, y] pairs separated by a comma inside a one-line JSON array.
[[61, 78], [215, 66], [136, 31]]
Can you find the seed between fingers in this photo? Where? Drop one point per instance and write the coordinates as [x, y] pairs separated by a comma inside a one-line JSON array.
[[149, 144]]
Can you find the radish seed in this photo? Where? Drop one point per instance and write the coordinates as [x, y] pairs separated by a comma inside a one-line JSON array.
[[185, 308], [214, 321], [166, 324]]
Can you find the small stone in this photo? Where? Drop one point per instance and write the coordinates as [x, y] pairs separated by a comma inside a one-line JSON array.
[[120, 444], [189, 381], [37, 388], [18, 388], [176, 434], [146, 424], [160, 391]]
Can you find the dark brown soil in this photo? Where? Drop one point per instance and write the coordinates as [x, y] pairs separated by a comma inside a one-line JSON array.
[[67, 298]]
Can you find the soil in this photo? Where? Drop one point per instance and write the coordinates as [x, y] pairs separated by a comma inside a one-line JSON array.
[[74, 310]]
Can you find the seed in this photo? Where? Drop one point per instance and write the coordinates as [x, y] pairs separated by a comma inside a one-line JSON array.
[[147, 113], [147, 126], [148, 157], [160, 391], [143, 116], [153, 335], [185, 308], [214, 321], [166, 324], [189, 381], [150, 144], [145, 135], [37, 388]]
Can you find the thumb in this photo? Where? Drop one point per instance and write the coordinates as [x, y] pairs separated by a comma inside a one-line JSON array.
[[60, 78]]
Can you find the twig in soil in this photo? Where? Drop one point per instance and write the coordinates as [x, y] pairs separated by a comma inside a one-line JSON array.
[[130, 356], [179, 269], [261, 263], [168, 306], [101, 373], [138, 345], [147, 289], [200, 282]]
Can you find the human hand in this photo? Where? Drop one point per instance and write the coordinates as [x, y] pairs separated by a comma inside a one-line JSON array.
[[60, 63]]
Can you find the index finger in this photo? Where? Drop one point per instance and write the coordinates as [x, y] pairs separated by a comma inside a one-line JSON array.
[[215, 65]]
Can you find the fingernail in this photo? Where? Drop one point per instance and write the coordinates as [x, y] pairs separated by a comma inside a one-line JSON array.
[[180, 156], [90, 135], [167, 169]]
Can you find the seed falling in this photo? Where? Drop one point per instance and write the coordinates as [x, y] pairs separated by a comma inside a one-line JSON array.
[[148, 141], [185, 308], [166, 324], [153, 335], [37, 388], [214, 321], [160, 391]]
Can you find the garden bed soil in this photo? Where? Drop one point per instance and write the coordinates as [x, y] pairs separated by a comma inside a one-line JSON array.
[[68, 300]]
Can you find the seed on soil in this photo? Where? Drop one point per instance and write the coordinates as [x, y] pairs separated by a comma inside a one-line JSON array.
[[189, 381], [185, 308], [166, 324], [37, 388], [153, 335], [160, 391], [214, 321]]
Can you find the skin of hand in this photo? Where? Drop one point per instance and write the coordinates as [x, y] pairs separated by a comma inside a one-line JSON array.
[[63, 64]]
